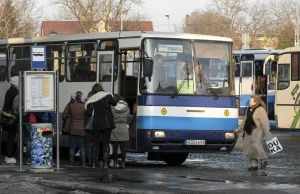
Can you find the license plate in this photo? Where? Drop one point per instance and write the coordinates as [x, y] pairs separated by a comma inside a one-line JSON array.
[[195, 142]]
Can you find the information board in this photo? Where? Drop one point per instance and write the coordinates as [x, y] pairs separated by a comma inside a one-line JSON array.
[[39, 91]]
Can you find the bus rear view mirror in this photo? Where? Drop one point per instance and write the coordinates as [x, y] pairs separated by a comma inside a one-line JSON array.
[[148, 67]]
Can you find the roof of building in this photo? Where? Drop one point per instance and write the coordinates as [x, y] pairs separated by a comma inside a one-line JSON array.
[[74, 27]]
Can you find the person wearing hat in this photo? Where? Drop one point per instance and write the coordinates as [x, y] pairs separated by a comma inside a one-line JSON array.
[[75, 108]]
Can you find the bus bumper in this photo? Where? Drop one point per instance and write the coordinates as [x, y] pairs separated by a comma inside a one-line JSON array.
[[177, 141]]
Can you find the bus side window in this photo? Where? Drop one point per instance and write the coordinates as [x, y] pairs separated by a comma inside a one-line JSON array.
[[2, 64], [295, 67], [55, 59], [19, 59], [283, 76], [246, 69], [273, 72], [81, 62]]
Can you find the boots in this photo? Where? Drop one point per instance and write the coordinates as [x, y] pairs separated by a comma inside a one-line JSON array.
[[123, 156], [94, 156], [71, 157], [82, 157], [105, 160]]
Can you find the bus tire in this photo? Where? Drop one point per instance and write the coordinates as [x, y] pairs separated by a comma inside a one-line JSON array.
[[174, 159]]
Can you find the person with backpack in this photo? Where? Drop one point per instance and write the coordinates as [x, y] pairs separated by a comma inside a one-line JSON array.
[[10, 128], [120, 134]]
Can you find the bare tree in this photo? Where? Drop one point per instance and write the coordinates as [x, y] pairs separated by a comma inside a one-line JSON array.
[[200, 22], [18, 18], [97, 15]]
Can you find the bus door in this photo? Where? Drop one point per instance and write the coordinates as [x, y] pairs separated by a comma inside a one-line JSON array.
[[246, 85], [105, 70], [270, 70]]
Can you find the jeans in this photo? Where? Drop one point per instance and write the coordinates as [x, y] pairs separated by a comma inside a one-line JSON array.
[[74, 141]]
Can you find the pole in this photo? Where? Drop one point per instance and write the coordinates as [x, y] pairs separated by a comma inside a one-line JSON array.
[[121, 18], [20, 121], [169, 23], [57, 121]]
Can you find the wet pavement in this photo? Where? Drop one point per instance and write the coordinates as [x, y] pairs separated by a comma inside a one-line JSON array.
[[201, 173]]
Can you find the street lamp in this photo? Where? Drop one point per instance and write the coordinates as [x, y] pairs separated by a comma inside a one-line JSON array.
[[168, 16]]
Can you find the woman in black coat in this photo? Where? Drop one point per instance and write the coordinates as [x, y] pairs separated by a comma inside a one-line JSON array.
[[103, 122]]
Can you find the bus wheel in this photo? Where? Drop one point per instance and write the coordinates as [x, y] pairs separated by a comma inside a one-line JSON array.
[[174, 159]]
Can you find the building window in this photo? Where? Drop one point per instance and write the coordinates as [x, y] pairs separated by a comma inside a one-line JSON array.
[[81, 62], [2, 64]]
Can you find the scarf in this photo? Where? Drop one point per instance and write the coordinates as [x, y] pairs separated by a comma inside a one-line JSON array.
[[250, 124]]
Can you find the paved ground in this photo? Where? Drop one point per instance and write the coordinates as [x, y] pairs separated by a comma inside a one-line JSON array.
[[201, 173]]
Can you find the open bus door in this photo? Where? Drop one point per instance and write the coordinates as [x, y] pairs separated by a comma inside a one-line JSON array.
[[106, 68], [246, 85], [270, 70]]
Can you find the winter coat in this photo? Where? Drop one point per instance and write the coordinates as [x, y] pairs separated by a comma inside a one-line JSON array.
[[10, 95], [101, 102], [77, 117], [120, 112], [253, 144]]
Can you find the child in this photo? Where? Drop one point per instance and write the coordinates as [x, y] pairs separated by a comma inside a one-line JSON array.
[[120, 134]]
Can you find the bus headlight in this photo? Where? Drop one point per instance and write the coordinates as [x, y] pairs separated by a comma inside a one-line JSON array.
[[229, 135], [159, 134]]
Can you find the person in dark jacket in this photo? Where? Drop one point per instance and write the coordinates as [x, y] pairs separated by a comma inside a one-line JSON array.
[[103, 123], [10, 95], [120, 134], [77, 133]]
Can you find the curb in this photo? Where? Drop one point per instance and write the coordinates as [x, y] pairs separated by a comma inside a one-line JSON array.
[[88, 187]]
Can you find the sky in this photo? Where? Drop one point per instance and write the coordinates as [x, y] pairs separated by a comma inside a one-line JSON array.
[[155, 9]]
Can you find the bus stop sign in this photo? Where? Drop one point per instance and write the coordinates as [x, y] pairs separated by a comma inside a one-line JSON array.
[[38, 57]]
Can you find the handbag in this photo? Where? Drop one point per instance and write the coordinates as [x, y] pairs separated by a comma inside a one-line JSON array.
[[7, 118], [89, 124], [66, 127]]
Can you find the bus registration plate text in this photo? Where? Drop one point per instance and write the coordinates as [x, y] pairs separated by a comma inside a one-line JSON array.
[[195, 142]]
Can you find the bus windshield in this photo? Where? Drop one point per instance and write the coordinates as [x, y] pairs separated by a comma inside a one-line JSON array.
[[212, 69], [172, 65], [174, 70]]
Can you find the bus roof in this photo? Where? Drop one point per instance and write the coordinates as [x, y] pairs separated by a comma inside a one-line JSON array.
[[110, 35], [258, 51], [290, 50]]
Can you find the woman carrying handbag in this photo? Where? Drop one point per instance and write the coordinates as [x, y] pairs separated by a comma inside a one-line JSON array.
[[75, 112], [99, 105]]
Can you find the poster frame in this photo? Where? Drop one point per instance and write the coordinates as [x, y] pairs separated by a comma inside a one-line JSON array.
[[27, 107]]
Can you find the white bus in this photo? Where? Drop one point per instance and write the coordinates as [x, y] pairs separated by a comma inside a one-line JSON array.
[[175, 115], [287, 100], [251, 78]]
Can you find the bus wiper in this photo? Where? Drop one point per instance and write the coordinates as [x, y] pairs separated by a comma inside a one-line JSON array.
[[186, 78], [206, 82]]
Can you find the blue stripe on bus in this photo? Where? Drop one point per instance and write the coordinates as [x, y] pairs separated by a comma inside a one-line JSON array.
[[188, 101], [186, 123], [271, 98]]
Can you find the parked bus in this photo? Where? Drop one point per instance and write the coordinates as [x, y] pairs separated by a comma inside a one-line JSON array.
[[251, 79], [183, 84], [287, 112]]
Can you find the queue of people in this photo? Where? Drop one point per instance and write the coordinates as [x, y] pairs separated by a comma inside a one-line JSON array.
[[109, 126]]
